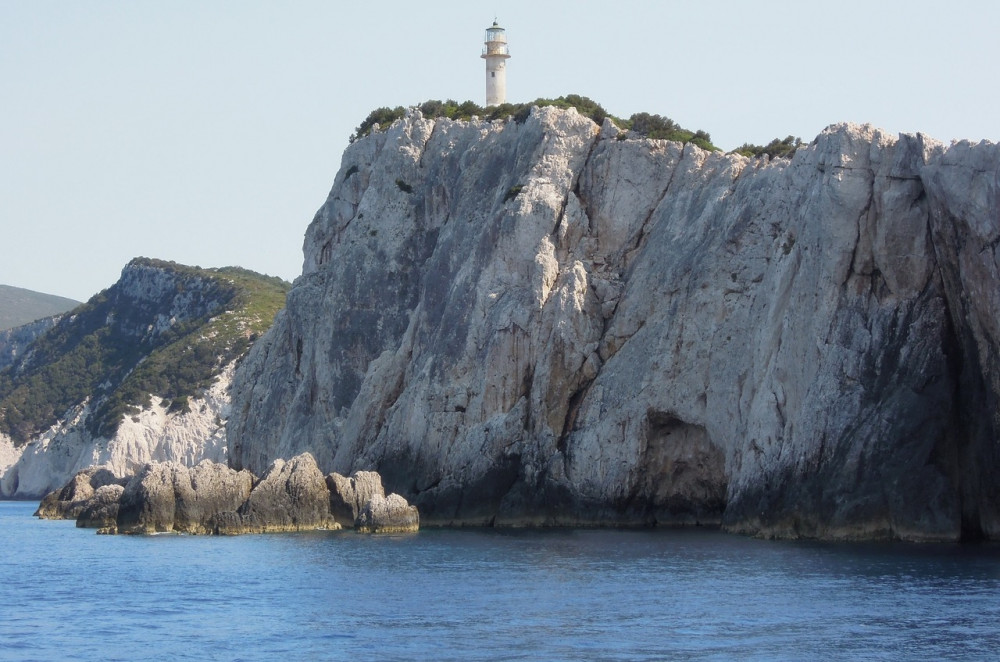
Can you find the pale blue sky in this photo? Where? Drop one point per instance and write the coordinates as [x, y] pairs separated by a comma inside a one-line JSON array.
[[209, 132]]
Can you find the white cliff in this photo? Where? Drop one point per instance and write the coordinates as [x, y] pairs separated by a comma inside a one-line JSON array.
[[153, 435], [552, 323]]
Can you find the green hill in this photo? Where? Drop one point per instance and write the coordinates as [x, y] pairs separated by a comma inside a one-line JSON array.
[[163, 329], [19, 306]]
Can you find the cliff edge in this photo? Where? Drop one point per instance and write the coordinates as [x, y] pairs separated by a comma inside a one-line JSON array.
[[555, 323]]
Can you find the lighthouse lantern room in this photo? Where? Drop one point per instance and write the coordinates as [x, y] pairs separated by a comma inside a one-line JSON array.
[[496, 54]]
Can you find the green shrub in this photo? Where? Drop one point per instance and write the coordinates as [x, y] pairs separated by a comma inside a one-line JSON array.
[[381, 116], [403, 186], [512, 192], [180, 405], [642, 124], [775, 149]]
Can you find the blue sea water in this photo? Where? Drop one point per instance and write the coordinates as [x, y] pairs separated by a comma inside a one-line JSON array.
[[68, 594]]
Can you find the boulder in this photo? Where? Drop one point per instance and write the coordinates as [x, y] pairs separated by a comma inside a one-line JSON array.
[[349, 496], [391, 514], [70, 500], [211, 498]]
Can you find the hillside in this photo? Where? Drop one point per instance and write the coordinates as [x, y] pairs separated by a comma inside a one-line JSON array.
[[546, 321], [19, 306], [152, 345]]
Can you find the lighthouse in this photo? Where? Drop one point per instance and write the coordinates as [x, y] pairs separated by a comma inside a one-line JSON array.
[[495, 53]]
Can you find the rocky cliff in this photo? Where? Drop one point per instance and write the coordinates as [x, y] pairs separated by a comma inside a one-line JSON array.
[[140, 373], [552, 322], [15, 342]]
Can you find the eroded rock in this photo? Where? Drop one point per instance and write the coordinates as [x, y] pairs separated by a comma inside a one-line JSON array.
[[292, 496], [101, 510], [211, 498], [169, 497], [69, 501], [349, 496], [391, 514]]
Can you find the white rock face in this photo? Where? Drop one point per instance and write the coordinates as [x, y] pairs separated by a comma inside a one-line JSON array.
[[153, 435], [9, 454], [547, 323]]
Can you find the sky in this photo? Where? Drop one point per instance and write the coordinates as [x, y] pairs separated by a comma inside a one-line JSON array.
[[208, 132]]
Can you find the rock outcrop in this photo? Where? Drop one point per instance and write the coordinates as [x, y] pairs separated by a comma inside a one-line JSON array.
[[348, 496], [69, 501], [211, 498], [169, 497], [360, 502], [101, 510], [550, 323], [292, 496], [16, 341], [391, 514]]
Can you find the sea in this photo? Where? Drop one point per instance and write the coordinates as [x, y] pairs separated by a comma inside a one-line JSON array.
[[484, 594]]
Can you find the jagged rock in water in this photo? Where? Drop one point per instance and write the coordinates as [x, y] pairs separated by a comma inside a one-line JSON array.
[[101, 510], [169, 497], [349, 496], [556, 324], [211, 498], [211, 488], [391, 514], [148, 503], [291, 496], [69, 501]]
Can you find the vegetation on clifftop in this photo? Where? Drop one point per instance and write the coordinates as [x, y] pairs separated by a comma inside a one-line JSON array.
[[641, 124], [777, 148], [116, 350], [644, 125]]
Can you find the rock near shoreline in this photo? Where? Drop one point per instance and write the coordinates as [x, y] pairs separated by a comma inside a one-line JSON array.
[[211, 498]]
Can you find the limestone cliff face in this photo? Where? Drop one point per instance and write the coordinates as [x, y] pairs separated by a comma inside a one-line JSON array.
[[552, 323]]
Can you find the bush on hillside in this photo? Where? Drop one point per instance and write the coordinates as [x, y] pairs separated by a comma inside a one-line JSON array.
[[775, 149]]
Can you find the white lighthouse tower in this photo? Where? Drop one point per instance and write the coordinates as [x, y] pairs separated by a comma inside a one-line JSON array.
[[495, 53]]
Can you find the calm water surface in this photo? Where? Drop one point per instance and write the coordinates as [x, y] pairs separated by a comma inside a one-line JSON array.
[[66, 593]]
